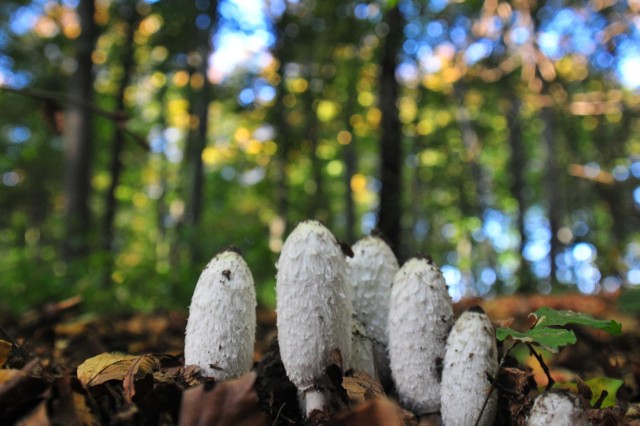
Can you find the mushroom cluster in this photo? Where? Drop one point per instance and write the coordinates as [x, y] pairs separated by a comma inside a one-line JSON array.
[[356, 310]]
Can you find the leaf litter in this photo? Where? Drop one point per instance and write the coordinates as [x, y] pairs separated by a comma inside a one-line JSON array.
[[60, 366]]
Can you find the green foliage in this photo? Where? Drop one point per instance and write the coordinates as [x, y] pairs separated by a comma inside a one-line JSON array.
[[600, 384], [545, 334]]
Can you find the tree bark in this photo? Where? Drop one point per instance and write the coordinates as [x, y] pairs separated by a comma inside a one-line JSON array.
[[390, 210], [517, 166], [78, 140], [117, 147], [553, 187], [349, 154], [198, 140]]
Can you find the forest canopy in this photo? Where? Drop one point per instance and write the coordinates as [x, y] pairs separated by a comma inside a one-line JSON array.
[[138, 138]]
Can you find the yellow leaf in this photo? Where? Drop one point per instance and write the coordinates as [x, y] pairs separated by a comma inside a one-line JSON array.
[[111, 366]]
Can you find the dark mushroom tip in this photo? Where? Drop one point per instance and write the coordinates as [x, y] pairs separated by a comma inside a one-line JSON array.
[[422, 256], [476, 308], [346, 248]]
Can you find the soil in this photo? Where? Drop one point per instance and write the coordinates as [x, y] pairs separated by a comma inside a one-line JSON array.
[[60, 365]]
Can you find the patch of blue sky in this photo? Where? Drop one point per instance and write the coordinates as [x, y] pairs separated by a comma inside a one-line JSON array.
[[24, 18], [478, 51]]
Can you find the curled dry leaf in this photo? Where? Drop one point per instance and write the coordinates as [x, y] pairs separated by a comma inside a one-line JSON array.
[[109, 366], [361, 387], [230, 403]]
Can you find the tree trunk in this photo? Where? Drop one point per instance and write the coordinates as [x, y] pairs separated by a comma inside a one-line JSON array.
[[390, 210], [517, 166], [552, 182], [349, 154], [78, 139], [198, 141], [116, 166]]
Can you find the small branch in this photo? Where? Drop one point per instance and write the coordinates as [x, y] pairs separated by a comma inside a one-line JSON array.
[[538, 357], [118, 117], [601, 398]]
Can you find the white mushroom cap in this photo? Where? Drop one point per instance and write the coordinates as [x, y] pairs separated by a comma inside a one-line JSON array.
[[221, 329], [471, 354], [371, 271], [314, 311], [361, 349], [557, 409], [420, 317]]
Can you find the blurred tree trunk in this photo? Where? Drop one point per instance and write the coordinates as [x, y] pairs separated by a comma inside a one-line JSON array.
[[278, 118], [390, 211], [130, 16], [78, 139], [517, 167], [552, 184], [317, 206], [201, 98], [349, 150]]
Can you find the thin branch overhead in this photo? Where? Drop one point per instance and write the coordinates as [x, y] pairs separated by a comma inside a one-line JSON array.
[[118, 117]]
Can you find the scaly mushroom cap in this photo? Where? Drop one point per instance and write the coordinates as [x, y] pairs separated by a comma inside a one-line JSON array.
[[557, 409], [420, 317], [314, 311], [222, 319], [371, 271], [471, 354]]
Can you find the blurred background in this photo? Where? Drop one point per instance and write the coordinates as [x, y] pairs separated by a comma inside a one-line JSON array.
[[137, 138]]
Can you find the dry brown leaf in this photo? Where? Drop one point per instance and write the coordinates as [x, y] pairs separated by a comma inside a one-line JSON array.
[[377, 412], [5, 349], [228, 404], [110, 366], [361, 387], [7, 375], [145, 364]]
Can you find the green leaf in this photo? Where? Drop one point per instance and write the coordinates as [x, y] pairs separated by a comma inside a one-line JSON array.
[[549, 338], [598, 384], [550, 317]]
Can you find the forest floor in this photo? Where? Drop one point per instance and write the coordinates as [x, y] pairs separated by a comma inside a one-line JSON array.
[[60, 365]]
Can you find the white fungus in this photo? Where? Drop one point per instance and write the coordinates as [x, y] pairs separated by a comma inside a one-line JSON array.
[[470, 358], [314, 310], [557, 409], [420, 317], [220, 332], [371, 271]]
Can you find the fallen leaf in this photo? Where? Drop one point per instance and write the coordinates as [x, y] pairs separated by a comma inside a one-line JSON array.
[[361, 387], [85, 416], [5, 349], [599, 384], [230, 403], [143, 365], [110, 366]]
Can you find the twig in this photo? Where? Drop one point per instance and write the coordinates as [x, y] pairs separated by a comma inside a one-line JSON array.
[[601, 398], [538, 357], [275, 421], [118, 117]]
